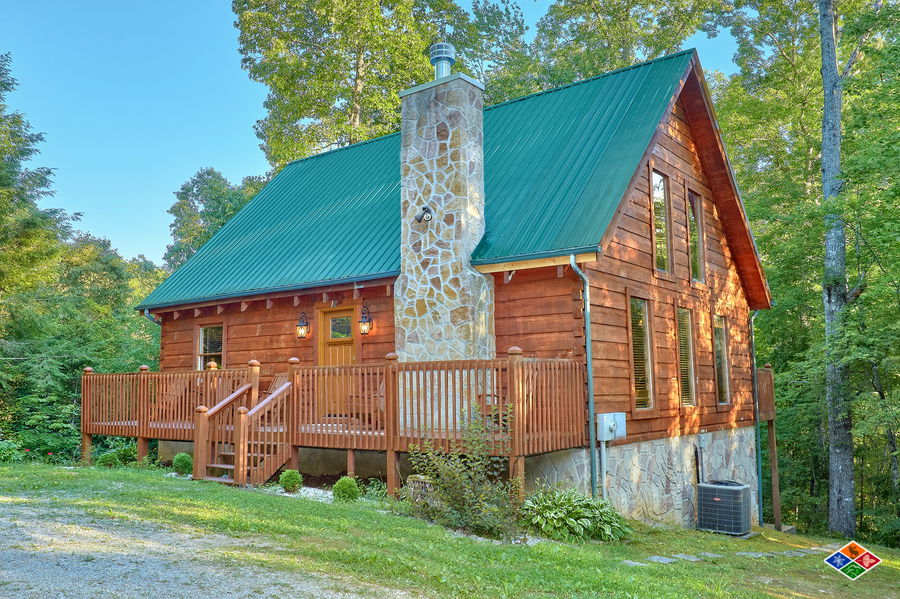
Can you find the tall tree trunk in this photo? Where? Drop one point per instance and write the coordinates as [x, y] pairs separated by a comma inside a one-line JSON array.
[[841, 495]]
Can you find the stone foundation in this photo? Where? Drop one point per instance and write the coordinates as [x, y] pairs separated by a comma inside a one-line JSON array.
[[655, 481]]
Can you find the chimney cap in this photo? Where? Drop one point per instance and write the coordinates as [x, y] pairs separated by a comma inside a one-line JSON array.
[[443, 51]]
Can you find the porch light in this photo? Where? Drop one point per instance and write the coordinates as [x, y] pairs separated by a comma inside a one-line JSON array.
[[365, 321], [303, 326]]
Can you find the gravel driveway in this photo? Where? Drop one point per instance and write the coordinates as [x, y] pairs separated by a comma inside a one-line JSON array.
[[49, 554]]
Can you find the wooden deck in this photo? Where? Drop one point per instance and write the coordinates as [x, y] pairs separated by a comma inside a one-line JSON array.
[[528, 406]]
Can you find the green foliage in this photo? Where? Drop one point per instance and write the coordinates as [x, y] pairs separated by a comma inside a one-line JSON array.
[[10, 451], [346, 489], [290, 481], [374, 489], [202, 206], [465, 488], [569, 515], [183, 463], [109, 460]]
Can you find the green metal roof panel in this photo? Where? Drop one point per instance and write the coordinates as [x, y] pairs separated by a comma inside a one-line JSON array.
[[556, 165]]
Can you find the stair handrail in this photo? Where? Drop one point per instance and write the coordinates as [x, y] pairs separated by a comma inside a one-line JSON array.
[[243, 464], [202, 414]]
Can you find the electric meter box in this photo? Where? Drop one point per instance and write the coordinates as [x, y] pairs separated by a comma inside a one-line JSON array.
[[610, 426]]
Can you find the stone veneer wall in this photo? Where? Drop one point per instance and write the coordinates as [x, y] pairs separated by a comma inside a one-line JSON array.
[[443, 308], [655, 480]]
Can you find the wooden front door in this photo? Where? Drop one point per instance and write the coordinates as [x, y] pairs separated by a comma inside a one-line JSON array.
[[337, 346]]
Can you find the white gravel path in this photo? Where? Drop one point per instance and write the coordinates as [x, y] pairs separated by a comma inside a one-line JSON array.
[[48, 554]]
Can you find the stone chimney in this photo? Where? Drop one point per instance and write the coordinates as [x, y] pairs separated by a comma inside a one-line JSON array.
[[443, 308]]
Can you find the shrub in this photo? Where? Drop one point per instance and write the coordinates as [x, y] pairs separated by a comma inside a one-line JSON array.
[[465, 490], [290, 481], [10, 451], [109, 460], [375, 489], [183, 463], [125, 450], [568, 515], [346, 489]]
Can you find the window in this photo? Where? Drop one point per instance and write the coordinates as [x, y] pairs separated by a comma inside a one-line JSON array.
[[210, 346], [660, 192], [720, 349], [686, 358], [695, 235], [640, 354], [340, 327]]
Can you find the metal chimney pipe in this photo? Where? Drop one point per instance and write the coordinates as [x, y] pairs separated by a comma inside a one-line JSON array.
[[443, 55]]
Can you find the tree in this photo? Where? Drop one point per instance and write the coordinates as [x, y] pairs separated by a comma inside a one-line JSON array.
[[203, 204]]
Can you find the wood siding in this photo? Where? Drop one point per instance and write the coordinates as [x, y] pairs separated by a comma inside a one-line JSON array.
[[266, 330], [626, 268]]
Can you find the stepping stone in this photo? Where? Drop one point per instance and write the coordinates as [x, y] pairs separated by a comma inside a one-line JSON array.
[[791, 553], [807, 550], [710, 555], [661, 560], [686, 557], [628, 562], [750, 554]]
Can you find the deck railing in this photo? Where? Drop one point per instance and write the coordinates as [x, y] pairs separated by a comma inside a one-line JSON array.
[[526, 406]]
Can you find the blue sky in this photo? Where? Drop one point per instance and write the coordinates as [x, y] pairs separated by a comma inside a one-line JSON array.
[[134, 98]]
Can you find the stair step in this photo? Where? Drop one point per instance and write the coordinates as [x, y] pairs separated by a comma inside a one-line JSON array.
[[252, 455], [225, 480], [221, 466]]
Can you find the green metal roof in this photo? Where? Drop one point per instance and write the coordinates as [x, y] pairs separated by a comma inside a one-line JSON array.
[[556, 165]]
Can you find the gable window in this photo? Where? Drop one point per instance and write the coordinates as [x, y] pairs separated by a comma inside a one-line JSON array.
[[660, 193], [720, 351], [640, 354], [695, 235], [687, 390], [210, 346]]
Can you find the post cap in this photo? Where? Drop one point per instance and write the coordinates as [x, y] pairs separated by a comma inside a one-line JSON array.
[[767, 365], [212, 366], [242, 410], [201, 409], [294, 361], [253, 363], [392, 356], [144, 368], [515, 350], [88, 370]]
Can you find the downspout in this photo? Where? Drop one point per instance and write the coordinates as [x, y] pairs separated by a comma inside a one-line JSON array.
[[149, 317], [759, 489], [589, 372]]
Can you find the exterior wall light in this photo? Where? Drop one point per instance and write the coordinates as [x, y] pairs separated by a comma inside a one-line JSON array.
[[424, 215], [303, 326], [365, 321]]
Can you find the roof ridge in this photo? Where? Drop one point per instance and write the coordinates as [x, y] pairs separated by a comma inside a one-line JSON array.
[[594, 78], [510, 101]]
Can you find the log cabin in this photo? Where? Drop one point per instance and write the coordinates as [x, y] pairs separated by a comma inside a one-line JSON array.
[[575, 252]]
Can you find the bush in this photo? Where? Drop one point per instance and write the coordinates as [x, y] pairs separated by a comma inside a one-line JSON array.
[[109, 460], [568, 515], [374, 489], [346, 489], [465, 490], [183, 463], [290, 481], [10, 451]]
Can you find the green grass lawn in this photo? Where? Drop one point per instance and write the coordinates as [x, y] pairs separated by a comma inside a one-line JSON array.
[[362, 542]]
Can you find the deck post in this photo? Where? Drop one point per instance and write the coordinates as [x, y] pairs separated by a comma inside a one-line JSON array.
[[201, 430], [143, 413], [391, 426], [212, 384], [253, 379], [293, 408], [351, 463], [240, 447], [517, 426], [86, 437]]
